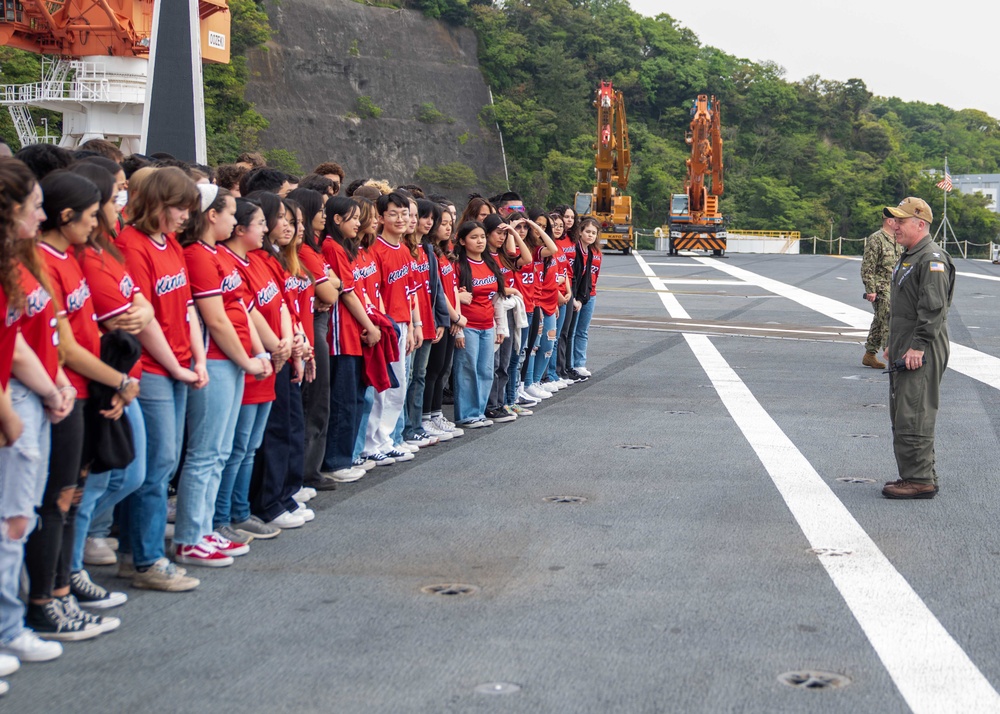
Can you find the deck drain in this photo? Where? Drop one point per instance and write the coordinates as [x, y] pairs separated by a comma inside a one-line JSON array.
[[496, 688], [873, 406], [864, 436], [855, 479], [565, 499], [634, 446], [812, 679], [450, 589], [678, 412], [833, 552]]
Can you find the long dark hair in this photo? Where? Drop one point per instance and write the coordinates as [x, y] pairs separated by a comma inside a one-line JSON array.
[[105, 182], [573, 232], [429, 208], [63, 189], [472, 208], [196, 221], [16, 184], [345, 208], [311, 203], [596, 245], [462, 258], [273, 208]]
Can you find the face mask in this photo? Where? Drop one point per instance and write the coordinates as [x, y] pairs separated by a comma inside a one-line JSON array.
[[121, 198]]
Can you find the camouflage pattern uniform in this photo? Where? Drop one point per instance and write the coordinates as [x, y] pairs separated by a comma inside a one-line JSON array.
[[923, 284], [881, 254]]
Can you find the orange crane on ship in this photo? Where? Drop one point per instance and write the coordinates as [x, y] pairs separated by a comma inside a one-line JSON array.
[[94, 71], [612, 160], [695, 222]]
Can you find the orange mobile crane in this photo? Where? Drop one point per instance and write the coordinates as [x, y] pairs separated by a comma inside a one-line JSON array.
[[695, 222], [612, 209]]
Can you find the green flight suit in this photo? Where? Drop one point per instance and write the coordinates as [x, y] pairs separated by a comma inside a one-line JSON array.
[[923, 284], [881, 253]]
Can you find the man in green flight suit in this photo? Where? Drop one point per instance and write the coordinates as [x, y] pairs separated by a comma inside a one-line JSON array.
[[923, 284], [881, 253]]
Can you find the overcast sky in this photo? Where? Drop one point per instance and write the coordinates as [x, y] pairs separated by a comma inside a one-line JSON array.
[[934, 52]]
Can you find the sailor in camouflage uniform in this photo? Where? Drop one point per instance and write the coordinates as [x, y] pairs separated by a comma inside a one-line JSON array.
[[923, 285], [881, 253]]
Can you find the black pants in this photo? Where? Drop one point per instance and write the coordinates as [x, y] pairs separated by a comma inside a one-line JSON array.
[[279, 464], [347, 403], [536, 319], [316, 401], [438, 371], [565, 352], [49, 550]]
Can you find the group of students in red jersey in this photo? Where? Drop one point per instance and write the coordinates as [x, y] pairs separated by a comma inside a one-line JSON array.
[[251, 345]]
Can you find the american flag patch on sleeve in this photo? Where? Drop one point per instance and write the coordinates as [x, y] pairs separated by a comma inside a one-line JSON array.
[[936, 267]]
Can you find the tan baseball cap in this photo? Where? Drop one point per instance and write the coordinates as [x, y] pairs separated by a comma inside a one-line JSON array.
[[910, 207]]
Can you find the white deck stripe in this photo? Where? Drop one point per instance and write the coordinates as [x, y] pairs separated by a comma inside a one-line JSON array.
[[930, 669], [964, 360]]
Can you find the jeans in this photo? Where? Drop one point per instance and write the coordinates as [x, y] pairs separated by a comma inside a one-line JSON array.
[[211, 422], [473, 374], [278, 468], [23, 470], [513, 369], [232, 505], [543, 351], [553, 367], [144, 512], [49, 548], [582, 334], [347, 404], [104, 491], [501, 366], [388, 405], [397, 432], [415, 390], [316, 401], [529, 347], [366, 411]]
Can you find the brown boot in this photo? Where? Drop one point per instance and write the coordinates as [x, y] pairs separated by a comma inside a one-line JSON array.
[[909, 489], [870, 360]]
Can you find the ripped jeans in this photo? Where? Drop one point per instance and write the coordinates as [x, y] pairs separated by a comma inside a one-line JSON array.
[[24, 468], [541, 354]]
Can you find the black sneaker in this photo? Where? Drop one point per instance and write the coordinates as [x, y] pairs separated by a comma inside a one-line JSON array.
[[325, 483], [50, 623], [499, 416], [71, 610], [90, 594], [576, 376]]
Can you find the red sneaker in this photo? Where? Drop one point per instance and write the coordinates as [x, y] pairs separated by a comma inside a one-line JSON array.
[[226, 546], [202, 554]]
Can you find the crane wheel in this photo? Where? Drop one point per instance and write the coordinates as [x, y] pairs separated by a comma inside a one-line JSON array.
[[627, 251]]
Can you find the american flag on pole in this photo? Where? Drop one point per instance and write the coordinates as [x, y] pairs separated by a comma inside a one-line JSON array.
[[945, 184]]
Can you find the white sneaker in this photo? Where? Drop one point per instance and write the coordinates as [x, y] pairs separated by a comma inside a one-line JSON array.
[[363, 463], [440, 423], [29, 647], [9, 664], [418, 442], [584, 371], [406, 448], [400, 455], [287, 520], [549, 387], [428, 426], [97, 551], [456, 432], [306, 514], [537, 391], [171, 509], [349, 475], [304, 494]]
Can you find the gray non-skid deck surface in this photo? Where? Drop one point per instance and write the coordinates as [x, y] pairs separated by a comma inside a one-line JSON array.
[[682, 584]]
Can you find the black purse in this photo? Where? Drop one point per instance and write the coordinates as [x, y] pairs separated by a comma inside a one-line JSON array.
[[108, 444]]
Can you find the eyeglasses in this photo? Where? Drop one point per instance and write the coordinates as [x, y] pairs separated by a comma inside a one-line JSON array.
[[519, 207]]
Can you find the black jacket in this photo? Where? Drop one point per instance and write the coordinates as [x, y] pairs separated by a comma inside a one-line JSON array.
[[108, 444], [583, 278]]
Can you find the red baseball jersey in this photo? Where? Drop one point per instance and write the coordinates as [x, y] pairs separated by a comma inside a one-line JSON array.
[[214, 273], [421, 268], [595, 270], [345, 332], [546, 290], [484, 286], [71, 293], [316, 265], [111, 287], [37, 322], [160, 271], [396, 282]]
